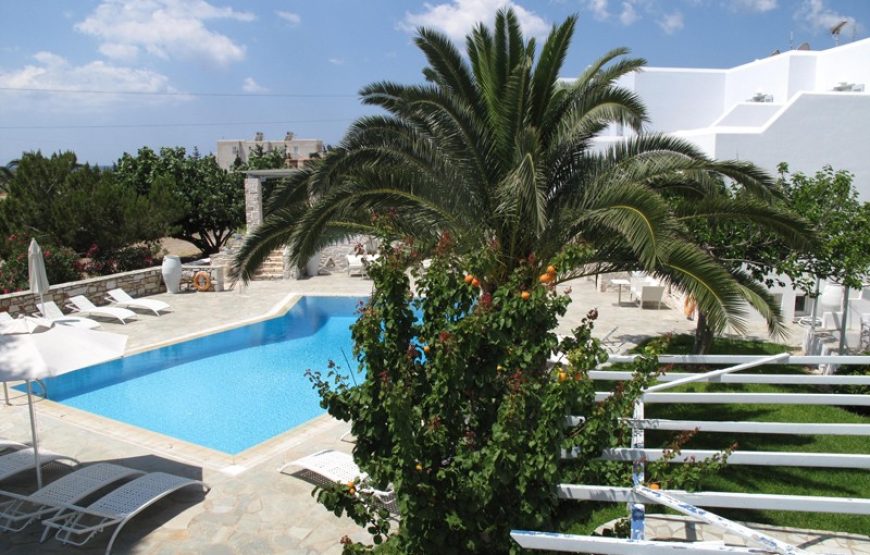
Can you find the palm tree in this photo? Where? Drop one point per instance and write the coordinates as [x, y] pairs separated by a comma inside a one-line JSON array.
[[496, 150]]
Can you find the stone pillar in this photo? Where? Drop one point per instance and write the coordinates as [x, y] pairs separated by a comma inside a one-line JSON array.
[[253, 202]]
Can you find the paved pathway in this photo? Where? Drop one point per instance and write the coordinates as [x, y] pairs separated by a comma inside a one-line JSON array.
[[251, 509]]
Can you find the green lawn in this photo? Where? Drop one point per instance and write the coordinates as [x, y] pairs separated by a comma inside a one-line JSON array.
[[582, 518]]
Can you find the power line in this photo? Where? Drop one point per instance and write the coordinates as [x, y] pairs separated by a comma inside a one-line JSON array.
[[196, 124], [178, 94]]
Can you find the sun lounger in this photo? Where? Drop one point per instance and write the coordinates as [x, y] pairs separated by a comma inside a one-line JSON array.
[[84, 305], [331, 467], [17, 511], [77, 525], [5, 318], [22, 460], [51, 312], [123, 300]]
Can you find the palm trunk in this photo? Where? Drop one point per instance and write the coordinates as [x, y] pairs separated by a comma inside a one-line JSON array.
[[703, 336]]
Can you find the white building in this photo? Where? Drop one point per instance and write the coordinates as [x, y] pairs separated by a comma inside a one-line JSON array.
[[295, 150], [802, 107], [806, 108]]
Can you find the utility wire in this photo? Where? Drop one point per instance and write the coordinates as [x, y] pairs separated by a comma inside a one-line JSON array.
[[198, 124], [205, 94]]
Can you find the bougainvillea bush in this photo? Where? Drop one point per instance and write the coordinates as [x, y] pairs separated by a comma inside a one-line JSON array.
[[460, 412], [60, 263]]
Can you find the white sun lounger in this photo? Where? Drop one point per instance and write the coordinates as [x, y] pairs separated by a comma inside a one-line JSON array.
[[123, 300], [85, 306], [5, 317], [21, 460], [9, 445], [51, 312], [330, 467], [115, 508], [17, 511]]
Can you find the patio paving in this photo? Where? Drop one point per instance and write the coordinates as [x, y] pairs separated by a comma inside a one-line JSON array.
[[251, 508]]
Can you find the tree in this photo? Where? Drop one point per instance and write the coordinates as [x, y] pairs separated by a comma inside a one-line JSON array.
[[210, 200], [459, 411], [496, 150], [77, 206], [747, 249]]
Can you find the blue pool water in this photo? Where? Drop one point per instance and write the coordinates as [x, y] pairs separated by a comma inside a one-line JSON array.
[[227, 391]]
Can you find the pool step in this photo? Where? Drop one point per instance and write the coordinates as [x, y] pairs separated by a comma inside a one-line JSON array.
[[272, 268]]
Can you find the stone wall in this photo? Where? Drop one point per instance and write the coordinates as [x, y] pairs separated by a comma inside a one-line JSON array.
[[137, 283]]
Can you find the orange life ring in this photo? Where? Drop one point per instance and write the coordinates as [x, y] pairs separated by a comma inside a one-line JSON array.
[[202, 281]]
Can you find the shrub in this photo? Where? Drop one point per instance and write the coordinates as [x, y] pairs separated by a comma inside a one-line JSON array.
[[459, 410], [125, 259], [60, 263]]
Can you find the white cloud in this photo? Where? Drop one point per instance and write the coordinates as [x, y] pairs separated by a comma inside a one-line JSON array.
[[118, 51], [457, 17], [754, 5], [251, 86], [51, 71], [290, 17], [599, 9], [336, 61], [167, 29], [820, 17], [671, 23], [628, 15]]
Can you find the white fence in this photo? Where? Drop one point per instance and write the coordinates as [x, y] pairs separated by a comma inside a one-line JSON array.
[[688, 503]]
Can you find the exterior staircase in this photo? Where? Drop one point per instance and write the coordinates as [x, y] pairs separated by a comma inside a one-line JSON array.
[[272, 268]]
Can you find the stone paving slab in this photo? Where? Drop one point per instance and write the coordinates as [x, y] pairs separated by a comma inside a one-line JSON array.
[[251, 508]]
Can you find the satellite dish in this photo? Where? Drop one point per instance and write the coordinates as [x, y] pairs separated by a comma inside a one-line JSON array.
[[804, 46], [775, 52]]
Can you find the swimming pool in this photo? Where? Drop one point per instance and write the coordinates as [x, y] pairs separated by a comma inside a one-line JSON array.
[[228, 391]]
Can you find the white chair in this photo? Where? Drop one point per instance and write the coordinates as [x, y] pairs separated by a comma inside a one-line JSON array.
[[51, 312], [77, 525], [18, 511], [84, 306], [123, 300], [334, 467], [651, 294], [355, 265]]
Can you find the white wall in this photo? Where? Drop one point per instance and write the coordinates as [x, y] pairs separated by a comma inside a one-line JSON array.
[[681, 98], [849, 63], [749, 114], [769, 76], [815, 130]]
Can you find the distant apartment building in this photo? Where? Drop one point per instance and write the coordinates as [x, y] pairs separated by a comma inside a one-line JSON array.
[[807, 108], [296, 151]]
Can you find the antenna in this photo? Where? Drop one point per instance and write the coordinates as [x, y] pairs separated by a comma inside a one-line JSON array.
[[837, 29]]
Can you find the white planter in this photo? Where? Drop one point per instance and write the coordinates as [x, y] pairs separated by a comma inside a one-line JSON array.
[[313, 266], [171, 271]]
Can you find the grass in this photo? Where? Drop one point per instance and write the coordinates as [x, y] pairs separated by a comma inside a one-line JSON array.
[[584, 517]]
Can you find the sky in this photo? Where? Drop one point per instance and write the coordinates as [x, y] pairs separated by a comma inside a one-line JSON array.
[[104, 77]]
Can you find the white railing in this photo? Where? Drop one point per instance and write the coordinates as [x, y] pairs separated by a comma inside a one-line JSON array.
[[686, 502]]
